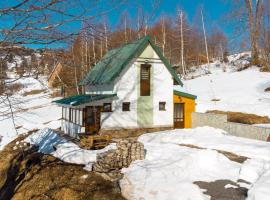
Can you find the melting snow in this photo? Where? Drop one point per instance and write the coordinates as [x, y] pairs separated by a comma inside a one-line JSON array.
[[50, 142], [169, 170]]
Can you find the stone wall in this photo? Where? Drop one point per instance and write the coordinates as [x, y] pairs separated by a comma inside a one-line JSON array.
[[237, 129], [111, 162]]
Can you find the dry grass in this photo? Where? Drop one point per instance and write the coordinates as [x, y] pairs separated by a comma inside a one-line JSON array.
[[231, 156], [55, 94], [243, 118], [33, 92], [215, 100], [265, 69]]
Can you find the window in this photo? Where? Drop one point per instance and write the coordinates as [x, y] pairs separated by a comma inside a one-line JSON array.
[[145, 80], [162, 106], [107, 107], [63, 113], [126, 106]]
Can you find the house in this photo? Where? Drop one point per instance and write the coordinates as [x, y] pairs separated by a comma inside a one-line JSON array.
[[61, 79], [131, 88], [54, 75]]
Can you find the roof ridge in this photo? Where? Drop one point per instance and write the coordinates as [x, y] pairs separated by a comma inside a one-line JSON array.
[[111, 65]]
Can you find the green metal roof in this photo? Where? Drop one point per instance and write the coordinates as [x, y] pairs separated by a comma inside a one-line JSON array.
[[113, 63], [82, 99], [184, 94]]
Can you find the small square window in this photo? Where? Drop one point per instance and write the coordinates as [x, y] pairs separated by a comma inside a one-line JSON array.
[[162, 106], [107, 107], [126, 106]]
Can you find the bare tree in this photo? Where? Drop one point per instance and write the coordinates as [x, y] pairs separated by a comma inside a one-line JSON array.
[[163, 29], [39, 22], [180, 14], [254, 21], [205, 40]]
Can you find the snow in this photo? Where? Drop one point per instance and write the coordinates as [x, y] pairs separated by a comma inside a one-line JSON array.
[[257, 172], [230, 186], [71, 153], [50, 142], [253, 169], [30, 112], [239, 91], [212, 138], [169, 169], [260, 189]]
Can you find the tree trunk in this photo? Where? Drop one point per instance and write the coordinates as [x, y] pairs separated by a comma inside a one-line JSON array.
[[254, 28], [205, 41]]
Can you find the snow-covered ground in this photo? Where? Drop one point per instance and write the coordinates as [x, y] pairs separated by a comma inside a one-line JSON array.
[[30, 112], [239, 91], [169, 170], [67, 151]]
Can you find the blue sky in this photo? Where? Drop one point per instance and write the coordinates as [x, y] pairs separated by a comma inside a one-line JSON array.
[[214, 11]]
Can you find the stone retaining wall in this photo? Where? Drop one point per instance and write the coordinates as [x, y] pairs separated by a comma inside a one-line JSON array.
[[111, 162], [237, 129]]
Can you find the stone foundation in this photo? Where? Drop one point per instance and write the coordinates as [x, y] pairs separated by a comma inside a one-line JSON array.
[[111, 162], [123, 133]]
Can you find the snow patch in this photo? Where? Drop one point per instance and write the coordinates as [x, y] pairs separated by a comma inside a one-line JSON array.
[[50, 142]]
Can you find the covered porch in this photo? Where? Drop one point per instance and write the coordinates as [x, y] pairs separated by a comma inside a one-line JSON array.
[[81, 114]]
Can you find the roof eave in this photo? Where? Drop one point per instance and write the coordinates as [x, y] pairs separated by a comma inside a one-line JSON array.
[[184, 94]]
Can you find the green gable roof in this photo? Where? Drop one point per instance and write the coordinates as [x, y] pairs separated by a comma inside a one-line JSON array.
[[184, 94], [113, 63], [82, 99]]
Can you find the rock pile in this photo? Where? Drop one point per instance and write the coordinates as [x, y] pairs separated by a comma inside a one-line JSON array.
[[111, 162]]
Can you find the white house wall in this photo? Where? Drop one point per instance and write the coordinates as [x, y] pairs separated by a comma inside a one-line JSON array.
[[127, 89], [163, 92]]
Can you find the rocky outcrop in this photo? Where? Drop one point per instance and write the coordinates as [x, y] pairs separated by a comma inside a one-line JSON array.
[[111, 162]]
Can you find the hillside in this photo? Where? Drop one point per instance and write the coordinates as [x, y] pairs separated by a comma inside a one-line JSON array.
[[229, 87], [225, 88], [28, 94], [204, 162]]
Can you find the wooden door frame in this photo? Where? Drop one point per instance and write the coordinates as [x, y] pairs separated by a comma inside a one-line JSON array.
[[92, 129], [181, 124]]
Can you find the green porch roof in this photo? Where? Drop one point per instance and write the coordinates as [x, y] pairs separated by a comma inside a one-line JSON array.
[[184, 94], [113, 63], [82, 99]]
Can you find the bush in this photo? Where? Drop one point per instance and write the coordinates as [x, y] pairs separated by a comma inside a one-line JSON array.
[[13, 88]]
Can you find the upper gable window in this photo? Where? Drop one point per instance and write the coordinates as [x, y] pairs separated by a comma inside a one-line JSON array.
[[145, 79]]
